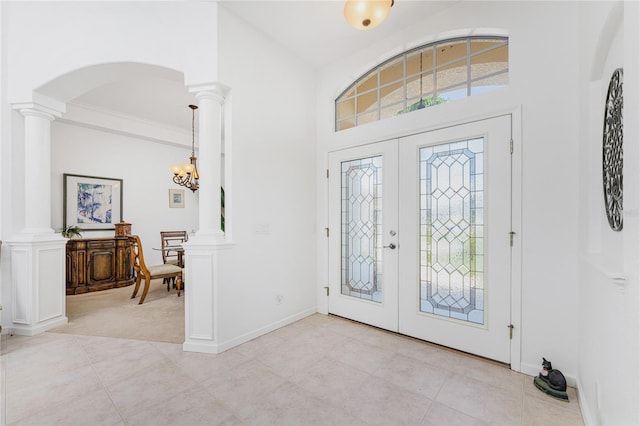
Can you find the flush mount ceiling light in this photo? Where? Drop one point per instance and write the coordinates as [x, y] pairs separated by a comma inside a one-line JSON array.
[[366, 14]]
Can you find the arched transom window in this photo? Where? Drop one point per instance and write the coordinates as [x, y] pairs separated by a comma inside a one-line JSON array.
[[425, 76]]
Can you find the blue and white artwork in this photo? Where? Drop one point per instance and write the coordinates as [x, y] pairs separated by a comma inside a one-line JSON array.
[[94, 203]]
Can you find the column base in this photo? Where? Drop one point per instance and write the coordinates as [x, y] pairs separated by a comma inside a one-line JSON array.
[[37, 273], [201, 297], [202, 347], [24, 330]]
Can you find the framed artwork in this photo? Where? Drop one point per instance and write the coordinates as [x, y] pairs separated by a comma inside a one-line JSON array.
[[176, 198], [91, 203]]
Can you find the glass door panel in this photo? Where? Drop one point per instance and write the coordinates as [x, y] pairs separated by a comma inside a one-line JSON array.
[[361, 228], [451, 230]]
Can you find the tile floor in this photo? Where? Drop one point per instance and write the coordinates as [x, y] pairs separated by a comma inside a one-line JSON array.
[[320, 370]]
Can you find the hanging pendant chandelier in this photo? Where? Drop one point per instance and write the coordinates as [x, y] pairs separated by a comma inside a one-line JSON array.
[[366, 14], [187, 174]]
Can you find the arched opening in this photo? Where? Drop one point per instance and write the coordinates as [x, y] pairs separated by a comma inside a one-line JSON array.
[[127, 121]]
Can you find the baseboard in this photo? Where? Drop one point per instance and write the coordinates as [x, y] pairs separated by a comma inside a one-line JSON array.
[[266, 329], [534, 370], [587, 416], [26, 330], [205, 347]]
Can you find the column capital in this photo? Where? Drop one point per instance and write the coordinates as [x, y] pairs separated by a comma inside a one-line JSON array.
[[214, 91], [37, 110]]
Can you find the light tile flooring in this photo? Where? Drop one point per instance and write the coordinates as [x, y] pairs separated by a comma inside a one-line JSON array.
[[320, 370]]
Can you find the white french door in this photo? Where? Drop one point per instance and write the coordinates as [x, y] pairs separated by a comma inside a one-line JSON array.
[[455, 264], [363, 221], [419, 240]]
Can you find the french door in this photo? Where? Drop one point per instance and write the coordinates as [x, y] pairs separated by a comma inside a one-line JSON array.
[[419, 240], [363, 223]]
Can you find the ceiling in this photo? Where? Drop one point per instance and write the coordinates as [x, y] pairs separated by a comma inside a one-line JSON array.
[[314, 31], [317, 32]]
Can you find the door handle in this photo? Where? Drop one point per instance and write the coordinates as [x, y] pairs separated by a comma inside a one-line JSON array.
[[391, 246]]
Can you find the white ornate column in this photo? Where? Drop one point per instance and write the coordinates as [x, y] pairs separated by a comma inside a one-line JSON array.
[[37, 168], [210, 102], [37, 253], [202, 250]]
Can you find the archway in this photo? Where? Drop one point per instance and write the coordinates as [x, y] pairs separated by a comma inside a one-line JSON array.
[[93, 139]]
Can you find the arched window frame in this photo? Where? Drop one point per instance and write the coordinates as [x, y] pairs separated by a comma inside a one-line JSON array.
[[402, 95]]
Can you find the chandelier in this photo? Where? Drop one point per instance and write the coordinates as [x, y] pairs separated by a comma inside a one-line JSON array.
[[366, 14], [187, 174]]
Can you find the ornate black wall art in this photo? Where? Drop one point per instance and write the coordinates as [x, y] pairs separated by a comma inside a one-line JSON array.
[[612, 152]]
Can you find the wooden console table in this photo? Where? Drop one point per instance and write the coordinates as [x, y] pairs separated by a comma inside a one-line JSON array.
[[98, 264]]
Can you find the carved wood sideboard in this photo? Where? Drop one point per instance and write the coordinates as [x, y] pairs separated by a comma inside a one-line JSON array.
[[98, 264]]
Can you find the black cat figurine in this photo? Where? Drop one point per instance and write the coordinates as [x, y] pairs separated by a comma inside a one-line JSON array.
[[554, 378], [551, 381]]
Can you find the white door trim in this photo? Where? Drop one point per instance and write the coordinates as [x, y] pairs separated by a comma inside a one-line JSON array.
[[516, 227]]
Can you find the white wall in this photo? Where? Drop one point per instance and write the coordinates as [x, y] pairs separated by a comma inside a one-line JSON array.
[[49, 39], [543, 86], [273, 184], [608, 296], [144, 167]]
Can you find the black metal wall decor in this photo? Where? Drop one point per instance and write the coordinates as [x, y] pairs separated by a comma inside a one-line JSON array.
[[612, 152]]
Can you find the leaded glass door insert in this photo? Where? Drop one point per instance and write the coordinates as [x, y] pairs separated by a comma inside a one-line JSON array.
[[451, 230], [361, 228]]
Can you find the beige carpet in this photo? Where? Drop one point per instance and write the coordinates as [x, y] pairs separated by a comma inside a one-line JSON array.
[[112, 313]]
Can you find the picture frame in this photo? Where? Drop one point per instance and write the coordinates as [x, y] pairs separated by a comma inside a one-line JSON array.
[[176, 198], [91, 203]]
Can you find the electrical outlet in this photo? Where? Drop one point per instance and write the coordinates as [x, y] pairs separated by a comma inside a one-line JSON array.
[[261, 229], [279, 299]]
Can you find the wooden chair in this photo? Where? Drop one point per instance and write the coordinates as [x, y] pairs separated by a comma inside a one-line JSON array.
[[172, 239], [150, 272], [171, 243]]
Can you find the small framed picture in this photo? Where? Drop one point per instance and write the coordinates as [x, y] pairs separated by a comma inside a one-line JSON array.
[[176, 198]]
